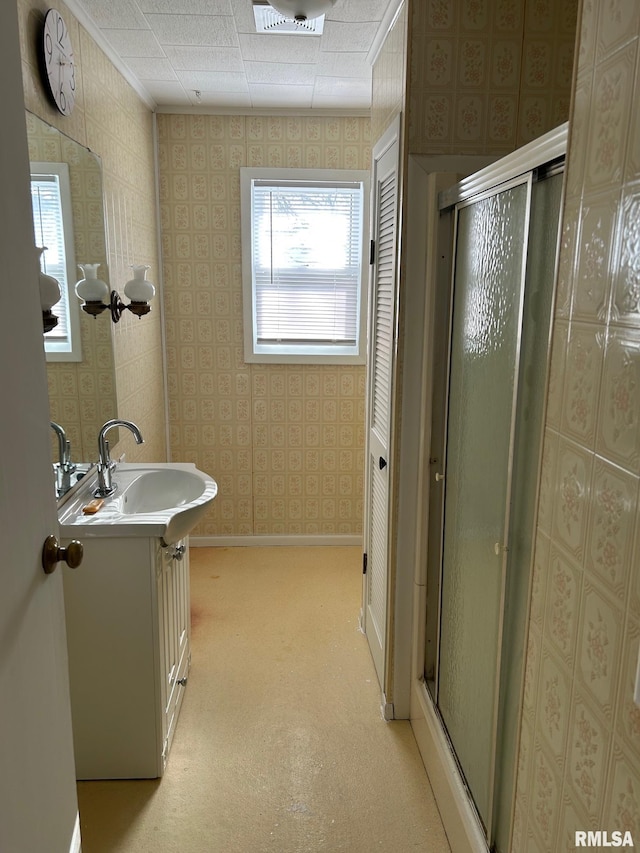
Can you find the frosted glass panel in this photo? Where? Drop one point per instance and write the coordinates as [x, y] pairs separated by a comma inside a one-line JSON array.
[[541, 259], [485, 342]]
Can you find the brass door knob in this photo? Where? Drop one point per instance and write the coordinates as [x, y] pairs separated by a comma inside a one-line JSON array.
[[52, 554]]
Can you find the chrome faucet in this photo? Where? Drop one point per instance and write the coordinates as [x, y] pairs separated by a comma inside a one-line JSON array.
[[106, 465], [65, 467]]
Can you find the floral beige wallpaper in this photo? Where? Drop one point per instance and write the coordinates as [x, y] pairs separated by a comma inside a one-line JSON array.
[[284, 442], [579, 762], [111, 120], [486, 76]]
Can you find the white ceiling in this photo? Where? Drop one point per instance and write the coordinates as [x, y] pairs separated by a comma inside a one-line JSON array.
[[171, 49]]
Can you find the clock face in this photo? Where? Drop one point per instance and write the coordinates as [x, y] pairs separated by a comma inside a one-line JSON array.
[[59, 63]]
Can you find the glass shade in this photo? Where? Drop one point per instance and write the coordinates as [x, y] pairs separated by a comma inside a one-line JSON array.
[[90, 288], [138, 289], [302, 9], [49, 288]]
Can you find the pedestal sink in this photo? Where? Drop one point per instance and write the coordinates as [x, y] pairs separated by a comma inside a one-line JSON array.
[[165, 500]]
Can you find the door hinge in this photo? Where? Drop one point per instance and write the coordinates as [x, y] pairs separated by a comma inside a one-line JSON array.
[[364, 564], [372, 252]]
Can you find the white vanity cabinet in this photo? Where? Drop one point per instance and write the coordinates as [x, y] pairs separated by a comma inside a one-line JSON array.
[[128, 632]]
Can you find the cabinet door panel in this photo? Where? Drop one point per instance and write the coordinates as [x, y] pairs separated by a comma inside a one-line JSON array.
[[174, 627]]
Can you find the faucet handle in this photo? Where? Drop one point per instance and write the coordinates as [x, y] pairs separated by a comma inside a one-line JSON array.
[[111, 463], [67, 464]]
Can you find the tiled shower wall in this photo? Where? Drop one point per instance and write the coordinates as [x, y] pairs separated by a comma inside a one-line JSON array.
[[579, 762], [284, 442], [111, 120]]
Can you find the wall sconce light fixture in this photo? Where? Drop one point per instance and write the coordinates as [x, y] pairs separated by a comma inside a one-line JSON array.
[[49, 296], [94, 293]]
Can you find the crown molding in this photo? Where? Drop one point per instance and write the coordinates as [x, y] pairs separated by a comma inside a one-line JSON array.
[[386, 25], [263, 111]]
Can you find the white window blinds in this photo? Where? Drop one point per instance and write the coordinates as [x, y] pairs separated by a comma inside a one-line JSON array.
[[303, 233], [51, 203], [307, 253]]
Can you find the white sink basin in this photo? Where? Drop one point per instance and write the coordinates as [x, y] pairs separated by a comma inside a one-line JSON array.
[[165, 500], [160, 490]]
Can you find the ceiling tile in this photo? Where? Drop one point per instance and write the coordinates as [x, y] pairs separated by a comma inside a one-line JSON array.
[[186, 7], [166, 93], [174, 47], [280, 72], [116, 14], [273, 97], [273, 47], [188, 58], [358, 10], [348, 37], [151, 69], [231, 100], [198, 30], [212, 81], [135, 43], [343, 64], [245, 20]]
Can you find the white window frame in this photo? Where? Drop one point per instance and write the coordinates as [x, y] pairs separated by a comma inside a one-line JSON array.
[[298, 353], [70, 348]]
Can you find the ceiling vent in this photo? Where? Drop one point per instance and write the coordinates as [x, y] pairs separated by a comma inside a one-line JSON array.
[[270, 21]]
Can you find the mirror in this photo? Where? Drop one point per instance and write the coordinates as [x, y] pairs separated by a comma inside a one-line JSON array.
[[82, 394]]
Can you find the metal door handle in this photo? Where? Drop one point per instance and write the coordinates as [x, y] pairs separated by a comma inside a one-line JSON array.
[[439, 477], [52, 554]]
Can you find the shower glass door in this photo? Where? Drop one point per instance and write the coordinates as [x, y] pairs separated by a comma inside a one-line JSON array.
[[487, 306]]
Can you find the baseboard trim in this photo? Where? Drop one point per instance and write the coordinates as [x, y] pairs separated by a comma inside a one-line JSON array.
[[275, 540], [459, 818], [76, 842]]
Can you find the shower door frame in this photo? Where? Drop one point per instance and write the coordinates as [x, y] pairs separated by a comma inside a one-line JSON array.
[[462, 823], [524, 181]]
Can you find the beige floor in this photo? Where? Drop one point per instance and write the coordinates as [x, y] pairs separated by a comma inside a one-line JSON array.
[[280, 746]]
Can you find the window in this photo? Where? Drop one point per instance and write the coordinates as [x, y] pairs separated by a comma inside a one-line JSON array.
[[304, 280], [53, 228]]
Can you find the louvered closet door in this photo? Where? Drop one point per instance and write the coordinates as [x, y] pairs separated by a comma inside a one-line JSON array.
[[381, 366]]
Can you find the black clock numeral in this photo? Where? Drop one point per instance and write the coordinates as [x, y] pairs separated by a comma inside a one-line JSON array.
[[60, 31], [48, 46], [63, 99]]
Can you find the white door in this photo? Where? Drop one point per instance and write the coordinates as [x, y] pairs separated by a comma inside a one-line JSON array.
[[38, 807], [381, 364]]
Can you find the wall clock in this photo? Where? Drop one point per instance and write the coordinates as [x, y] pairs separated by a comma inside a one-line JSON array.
[[58, 61]]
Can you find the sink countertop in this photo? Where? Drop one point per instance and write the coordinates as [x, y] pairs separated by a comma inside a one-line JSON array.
[[169, 524]]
